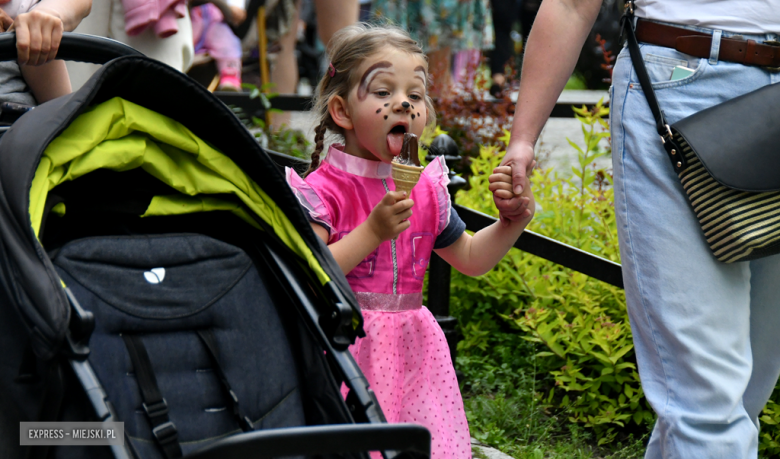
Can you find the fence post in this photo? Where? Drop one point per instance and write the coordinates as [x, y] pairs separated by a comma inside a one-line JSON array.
[[439, 270]]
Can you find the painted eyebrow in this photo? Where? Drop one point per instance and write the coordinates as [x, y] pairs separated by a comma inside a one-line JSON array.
[[420, 68], [369, 75]]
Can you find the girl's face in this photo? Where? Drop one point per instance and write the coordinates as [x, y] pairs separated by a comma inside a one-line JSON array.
[[388, 101]]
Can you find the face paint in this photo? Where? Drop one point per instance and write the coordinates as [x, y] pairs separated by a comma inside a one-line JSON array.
[[405, 104], [369, 75], [378, 110]]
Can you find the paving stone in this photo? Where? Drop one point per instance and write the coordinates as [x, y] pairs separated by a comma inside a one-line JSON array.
[[486, 451]]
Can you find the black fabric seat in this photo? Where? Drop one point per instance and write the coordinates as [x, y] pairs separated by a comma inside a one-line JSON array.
[[164, 288]]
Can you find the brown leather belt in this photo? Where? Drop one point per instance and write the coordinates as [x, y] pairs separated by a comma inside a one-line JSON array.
[[748, 52]]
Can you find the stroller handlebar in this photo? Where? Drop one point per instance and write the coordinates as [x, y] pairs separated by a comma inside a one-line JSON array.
[[75, 47]]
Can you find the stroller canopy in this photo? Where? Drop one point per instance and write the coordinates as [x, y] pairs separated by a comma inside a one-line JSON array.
[[136, 113]]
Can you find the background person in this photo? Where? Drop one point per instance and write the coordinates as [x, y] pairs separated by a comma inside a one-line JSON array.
[[705, 332], [107, 19], [36, 77]]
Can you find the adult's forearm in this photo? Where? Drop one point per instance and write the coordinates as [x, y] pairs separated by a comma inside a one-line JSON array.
[[71, 12], [557, 36]]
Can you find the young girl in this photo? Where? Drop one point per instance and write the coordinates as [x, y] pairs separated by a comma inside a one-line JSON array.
[[374, 92]]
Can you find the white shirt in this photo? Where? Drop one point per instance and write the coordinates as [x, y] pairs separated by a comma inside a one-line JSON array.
[[16, 7], [742, 16]]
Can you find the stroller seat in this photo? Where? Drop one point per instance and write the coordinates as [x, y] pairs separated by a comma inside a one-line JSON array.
[[215, 346]]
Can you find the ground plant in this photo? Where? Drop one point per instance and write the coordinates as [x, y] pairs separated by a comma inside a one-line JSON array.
[[547, 356]]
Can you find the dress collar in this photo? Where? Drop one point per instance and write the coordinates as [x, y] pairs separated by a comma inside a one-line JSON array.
[[354, 165]]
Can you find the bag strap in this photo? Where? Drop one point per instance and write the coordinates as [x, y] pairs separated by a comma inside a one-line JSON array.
[[154, 404], [667, 137], [207, 336]]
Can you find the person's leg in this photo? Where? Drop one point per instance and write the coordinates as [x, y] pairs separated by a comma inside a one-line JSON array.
[[764, 336], [503, 12], [223, 45], [333, 16], [284, 73], [690, 314]]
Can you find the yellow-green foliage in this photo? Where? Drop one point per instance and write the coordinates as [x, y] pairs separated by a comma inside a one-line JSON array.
[[580, 323]]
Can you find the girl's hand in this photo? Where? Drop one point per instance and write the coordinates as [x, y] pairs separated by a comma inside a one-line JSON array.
[[511, 207], [391, 216], [38, 36]]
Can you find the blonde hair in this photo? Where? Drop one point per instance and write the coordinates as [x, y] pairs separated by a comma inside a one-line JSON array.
[[348, 48]]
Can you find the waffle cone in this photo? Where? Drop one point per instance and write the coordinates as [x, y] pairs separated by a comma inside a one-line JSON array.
[[405, 177]]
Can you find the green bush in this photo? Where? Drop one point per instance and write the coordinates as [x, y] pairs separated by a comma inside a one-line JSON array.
[[583, 356], [577, 360]]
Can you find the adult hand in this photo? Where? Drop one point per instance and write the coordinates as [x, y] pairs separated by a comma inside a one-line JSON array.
[[38, 36], [391, 216], [520, 157]]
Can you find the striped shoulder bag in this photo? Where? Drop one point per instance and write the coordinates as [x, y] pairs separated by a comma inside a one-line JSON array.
[[728, 160]]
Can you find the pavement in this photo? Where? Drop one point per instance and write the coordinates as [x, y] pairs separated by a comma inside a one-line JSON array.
[[487, 452], [553, 148]]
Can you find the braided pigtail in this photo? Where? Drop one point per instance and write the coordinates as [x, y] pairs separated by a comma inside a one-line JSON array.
[[319, 145]]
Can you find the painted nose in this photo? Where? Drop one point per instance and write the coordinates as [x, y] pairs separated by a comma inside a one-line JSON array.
[[405, 104]]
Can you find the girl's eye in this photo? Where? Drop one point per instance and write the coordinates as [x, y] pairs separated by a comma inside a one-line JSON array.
[[415, 97], [382, 93]]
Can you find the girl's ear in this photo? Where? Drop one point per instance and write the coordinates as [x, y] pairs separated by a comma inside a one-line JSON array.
[[337, 107]]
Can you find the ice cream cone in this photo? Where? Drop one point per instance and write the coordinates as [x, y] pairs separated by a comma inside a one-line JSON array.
[[405, 177]]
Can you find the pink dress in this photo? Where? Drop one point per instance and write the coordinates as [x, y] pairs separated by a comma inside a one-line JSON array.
[[404, 354]]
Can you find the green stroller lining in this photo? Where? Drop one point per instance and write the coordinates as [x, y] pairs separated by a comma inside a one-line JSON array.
[[120, 135]]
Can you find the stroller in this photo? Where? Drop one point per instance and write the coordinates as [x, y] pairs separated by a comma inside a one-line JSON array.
[[156, 270]]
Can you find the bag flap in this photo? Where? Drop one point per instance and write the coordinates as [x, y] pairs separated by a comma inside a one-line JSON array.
[[738, 141]]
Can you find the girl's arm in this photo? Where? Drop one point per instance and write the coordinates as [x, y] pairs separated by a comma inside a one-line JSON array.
[[388, 219], [478, 254]]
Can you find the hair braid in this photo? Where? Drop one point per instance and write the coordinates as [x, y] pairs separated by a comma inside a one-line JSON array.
[[319, 141]]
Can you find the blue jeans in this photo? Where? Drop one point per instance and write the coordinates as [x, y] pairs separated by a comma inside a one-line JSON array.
[[706, 334]]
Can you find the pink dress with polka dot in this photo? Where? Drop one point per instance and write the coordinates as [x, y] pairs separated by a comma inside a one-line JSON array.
[[404, 354]]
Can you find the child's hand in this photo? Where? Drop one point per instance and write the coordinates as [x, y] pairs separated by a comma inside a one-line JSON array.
[[516, 207], [391, 216], [38, 35]]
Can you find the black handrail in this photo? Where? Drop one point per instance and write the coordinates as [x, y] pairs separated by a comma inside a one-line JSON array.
[[552, 250]]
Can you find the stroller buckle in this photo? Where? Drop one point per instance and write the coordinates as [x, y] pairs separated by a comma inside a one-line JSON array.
[[166, 433], [156, 409]]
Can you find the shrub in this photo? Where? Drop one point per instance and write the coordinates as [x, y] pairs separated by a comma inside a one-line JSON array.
[[584, 359]]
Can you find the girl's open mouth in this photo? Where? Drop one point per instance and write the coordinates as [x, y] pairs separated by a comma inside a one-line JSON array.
[[395, 139]]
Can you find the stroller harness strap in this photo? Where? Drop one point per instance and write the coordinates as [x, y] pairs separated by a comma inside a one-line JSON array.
[[154, 404], [211, 346]]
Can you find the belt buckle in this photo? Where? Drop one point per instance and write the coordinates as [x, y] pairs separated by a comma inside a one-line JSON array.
[[776, 44]]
